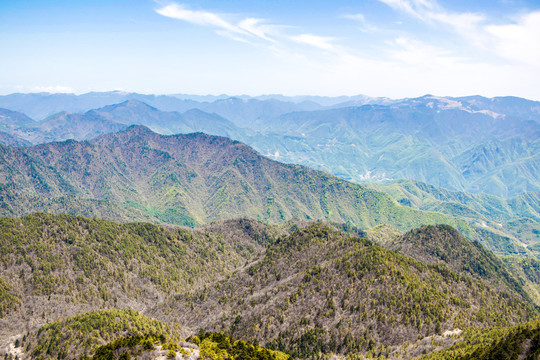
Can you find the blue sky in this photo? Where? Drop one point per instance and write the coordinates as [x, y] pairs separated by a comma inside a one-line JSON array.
[[392, 48]]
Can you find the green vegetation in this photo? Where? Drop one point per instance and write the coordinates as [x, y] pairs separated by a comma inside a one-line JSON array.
[[502, 225], [219, 346], [8, 301], [321, 291], [137, 175], [443, 244], [56, 262], [82, 335], [511, 343]]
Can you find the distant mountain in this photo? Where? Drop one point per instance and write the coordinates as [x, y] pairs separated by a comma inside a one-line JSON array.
[[134, 112], [8, 117], [424, 196], [517, 217], [471, 144], [12, 140], [113, 118], [192, 179], [510, 106], [195, 179], [436, 140], [241, 110], [42, 105]]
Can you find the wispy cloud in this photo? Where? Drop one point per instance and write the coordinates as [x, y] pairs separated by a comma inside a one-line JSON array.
[[177, 11], [517, 41], [361, 19], [244, 29], [321, 42], [45, 89]]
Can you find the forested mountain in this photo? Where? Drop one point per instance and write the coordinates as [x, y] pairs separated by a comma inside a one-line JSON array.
[[517, 217], [304, 290], [57, 265], [294, 259], [321, 291], [196, 179], [472, 144]]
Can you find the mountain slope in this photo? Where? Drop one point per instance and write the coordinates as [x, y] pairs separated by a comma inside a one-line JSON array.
[[441, 244], [192, 179], [437, 140], [516, 343], [320, 291], [53, 266], [515, 218]]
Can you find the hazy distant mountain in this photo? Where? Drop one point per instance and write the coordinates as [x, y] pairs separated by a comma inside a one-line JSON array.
[[134, 112], [109, 119], [12, 140], [435, 140], [42, 105], [469, 144], [242, 110]]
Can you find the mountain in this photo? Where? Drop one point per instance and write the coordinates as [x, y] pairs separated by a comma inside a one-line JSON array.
[[112, 118], [255, 113], [241, 110], [69, 285], [12, 140], [190, 179], [134, 112], [431, 139], [54, 266], [64, 126], [511, 106], [42, 105], [126, 334], [318, 291], [442, 244], [471, 144], [8, 117], [195, 179], [511, 343], [481, 206], [517, 217], [83, 334], [10, 122]]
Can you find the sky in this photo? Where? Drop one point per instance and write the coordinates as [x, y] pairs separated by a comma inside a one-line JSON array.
[[388, 48]]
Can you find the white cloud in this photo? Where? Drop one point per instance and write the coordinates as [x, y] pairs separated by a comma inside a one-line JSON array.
[[245, 29], [356, 17], [416, 53], [361, 19], [321, 42], [258, 28], [520, 41], [46, 89], [198, 17]]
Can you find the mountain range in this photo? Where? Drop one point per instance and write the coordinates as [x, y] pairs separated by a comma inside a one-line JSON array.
[[130, 223], [195, 179], [304, 288], [471, 144]]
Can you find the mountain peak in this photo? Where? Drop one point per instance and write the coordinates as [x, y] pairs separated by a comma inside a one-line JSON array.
[[131, 104]]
